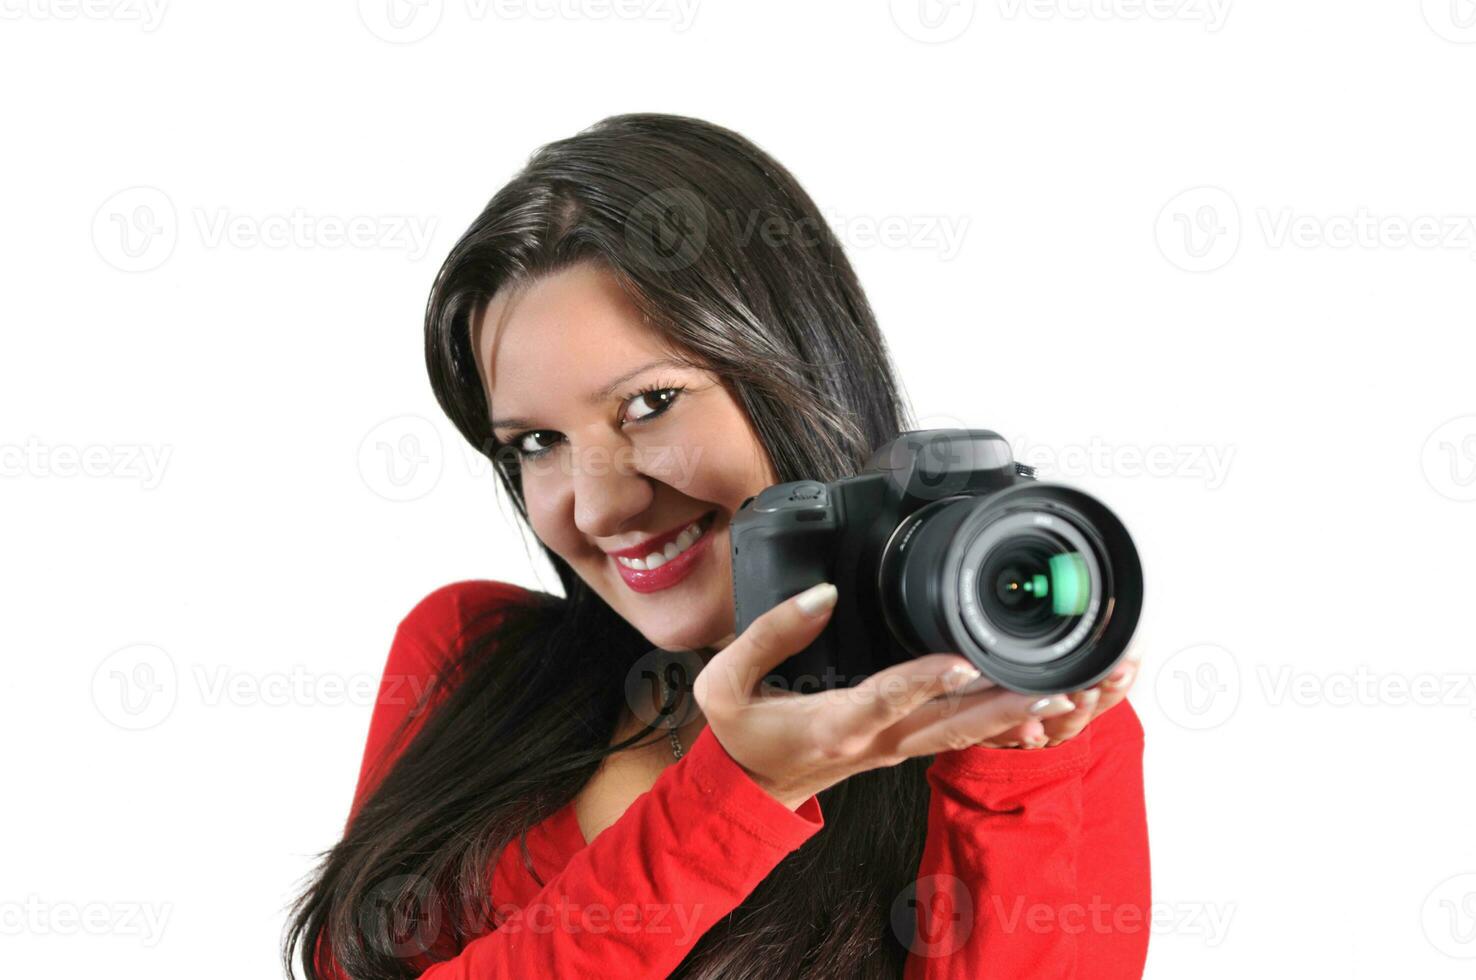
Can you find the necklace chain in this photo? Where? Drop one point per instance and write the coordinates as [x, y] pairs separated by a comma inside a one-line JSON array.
[[671, 731]]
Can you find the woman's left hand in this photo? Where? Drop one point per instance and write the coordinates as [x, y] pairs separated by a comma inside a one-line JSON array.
[[1090, 703]]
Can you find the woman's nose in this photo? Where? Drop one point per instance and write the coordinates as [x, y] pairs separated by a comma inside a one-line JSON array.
[[609, 493]]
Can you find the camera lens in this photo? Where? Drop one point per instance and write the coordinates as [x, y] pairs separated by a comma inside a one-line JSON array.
[[1029, 581], [1033, 587], [1037, 584]]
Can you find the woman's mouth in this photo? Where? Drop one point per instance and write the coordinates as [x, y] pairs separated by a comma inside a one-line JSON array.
[[664, 567]]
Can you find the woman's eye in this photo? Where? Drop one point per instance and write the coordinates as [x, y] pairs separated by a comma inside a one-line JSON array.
[[651, 403], [646, 405], [530, 444]]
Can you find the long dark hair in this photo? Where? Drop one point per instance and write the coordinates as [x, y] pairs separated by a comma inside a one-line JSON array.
[[729, 259]]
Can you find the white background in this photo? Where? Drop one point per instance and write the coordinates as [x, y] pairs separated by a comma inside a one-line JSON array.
[[1212, 262]]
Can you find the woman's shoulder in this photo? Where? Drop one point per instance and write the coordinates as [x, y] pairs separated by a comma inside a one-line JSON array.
[[438, 619], [459, 602], [415, 672]]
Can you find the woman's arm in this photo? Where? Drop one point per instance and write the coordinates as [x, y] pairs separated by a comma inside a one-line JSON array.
[[634, 901], [1036, 861]]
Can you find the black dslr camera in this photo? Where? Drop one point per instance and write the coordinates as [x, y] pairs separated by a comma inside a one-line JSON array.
[[943, 544]]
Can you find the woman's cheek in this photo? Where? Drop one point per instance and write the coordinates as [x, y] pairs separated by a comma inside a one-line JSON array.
[[540, 497], [675, 462]]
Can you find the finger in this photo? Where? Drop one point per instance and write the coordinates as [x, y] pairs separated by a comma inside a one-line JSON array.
[[891, 694], [1093, 702], [1069, 725], [1028, 734], [1122, 676], [735, 672], [1115, 688], [950, 724]]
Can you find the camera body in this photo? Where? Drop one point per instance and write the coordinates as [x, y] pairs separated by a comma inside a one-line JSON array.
[[943, 543]]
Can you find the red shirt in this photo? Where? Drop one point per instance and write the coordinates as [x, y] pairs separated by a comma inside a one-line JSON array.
[[1035, 863]]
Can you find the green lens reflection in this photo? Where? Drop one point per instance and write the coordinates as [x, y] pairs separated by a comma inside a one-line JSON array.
[[1070, 584]]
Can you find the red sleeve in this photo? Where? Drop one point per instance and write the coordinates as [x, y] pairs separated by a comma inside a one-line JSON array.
[[1036, 861], [633, 902]]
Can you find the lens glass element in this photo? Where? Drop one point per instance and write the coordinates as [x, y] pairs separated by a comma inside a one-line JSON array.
[[1032, 586]]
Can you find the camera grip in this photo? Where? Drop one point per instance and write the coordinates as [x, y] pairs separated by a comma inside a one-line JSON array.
[[778, 553]]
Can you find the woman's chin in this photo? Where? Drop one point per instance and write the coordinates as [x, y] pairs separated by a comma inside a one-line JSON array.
[[693, 637], [695, 614]]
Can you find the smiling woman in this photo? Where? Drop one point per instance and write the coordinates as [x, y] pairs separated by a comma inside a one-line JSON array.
[[616, 471], [635, 366]]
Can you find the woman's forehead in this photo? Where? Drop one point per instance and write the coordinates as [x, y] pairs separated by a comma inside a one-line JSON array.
[[574, 327]]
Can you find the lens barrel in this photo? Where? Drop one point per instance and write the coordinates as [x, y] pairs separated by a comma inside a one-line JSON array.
[[1039, 585]]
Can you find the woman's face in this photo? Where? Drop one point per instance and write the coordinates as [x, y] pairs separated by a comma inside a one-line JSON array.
[[611, 473]]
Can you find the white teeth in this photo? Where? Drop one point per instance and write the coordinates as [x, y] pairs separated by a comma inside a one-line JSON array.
[[656, 559]]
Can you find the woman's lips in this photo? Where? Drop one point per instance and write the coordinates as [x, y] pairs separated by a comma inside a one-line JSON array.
[[673, 571]]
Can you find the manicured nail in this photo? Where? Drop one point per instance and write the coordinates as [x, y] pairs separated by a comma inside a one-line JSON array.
[[1122, 680], [816, 599], [958, 675], [1052, 706]]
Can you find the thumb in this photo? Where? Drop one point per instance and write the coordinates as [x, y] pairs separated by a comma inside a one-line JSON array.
[[735, 672]]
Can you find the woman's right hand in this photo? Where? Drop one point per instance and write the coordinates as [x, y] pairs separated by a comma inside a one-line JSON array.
[[795, 745]]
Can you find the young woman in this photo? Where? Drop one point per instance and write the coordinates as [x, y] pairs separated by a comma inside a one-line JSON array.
[[648, 324]]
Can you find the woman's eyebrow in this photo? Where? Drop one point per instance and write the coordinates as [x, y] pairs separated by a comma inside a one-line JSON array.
[[609, 390], [602, 394]]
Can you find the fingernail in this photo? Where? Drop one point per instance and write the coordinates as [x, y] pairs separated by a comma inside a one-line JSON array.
[[1052, 706], [1122, 680], [958, 675], [816, 599], [1087, 698]]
